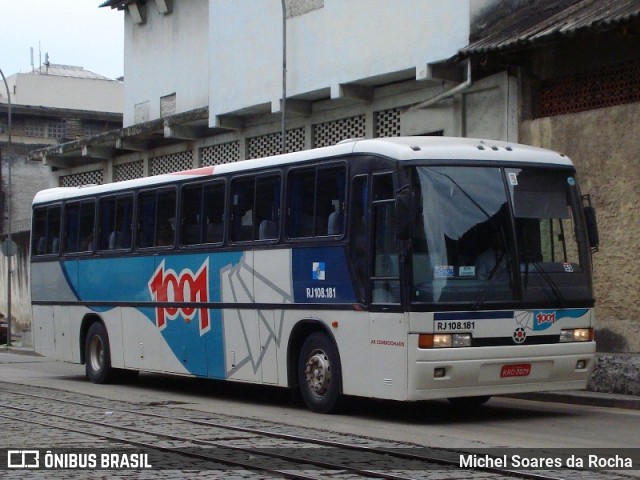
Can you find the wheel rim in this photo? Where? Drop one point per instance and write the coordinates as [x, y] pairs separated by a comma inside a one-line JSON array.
[[96, 353], [318, 373]]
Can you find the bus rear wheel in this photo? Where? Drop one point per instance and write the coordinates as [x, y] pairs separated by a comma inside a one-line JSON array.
[[97, 354], [319, 375]]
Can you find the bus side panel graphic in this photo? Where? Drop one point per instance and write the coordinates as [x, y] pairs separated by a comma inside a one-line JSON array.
[[194, 335], [321, 275]]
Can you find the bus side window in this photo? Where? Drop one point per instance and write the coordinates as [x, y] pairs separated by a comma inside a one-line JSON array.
[[213, 218], [165, 219], [78, 225], [255, 208], [267, 207], [202, 213], [156, 219], [242, 204], [386, 272], [316, 202], [358, 251], [71, 227], [115, 218], [191, 215], [330, 191], [46, 230], [301, 199]]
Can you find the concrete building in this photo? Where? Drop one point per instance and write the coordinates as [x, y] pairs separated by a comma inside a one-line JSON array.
[[50, 105], [205, 85], [66, 87]]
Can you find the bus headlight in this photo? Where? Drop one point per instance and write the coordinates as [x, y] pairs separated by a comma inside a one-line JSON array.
[[576, 335], [444, 340]]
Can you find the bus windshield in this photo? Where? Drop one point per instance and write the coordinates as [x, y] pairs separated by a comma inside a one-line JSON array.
[[487, 235]]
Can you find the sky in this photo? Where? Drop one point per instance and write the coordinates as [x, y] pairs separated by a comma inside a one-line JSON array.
[[73, 32]]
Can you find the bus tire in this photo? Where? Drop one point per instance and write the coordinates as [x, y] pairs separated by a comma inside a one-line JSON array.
[[469, 402], [319, 374], [98, 354]]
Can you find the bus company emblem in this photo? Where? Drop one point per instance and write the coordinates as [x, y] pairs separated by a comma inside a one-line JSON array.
[[168, 286], [545, 318], [319, 271], [519, 335]]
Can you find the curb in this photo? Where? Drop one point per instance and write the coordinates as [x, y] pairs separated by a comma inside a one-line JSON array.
[[19, 350], [583, 397]]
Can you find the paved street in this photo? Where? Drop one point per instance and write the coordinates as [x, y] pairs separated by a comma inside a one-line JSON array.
[[49, 389]]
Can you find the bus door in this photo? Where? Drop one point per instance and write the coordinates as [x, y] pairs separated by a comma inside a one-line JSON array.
[[388, 325]]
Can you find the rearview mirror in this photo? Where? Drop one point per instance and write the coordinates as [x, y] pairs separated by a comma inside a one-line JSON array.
[[592, 223]]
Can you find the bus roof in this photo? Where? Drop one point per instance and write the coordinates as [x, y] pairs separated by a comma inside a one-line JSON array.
[[399, 148]]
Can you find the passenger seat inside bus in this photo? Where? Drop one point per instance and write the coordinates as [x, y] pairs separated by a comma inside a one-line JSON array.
[[268, 230], [335, 223], [117, 240], [214, 232]]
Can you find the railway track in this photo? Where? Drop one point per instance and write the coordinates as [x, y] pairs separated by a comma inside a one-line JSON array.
[[180, 439]]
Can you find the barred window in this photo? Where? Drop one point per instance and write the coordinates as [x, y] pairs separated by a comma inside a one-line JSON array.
[[57, 129], [598, 88], [35, 128], [330, 133]]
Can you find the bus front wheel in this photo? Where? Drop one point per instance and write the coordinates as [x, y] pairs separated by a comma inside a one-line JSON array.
[[97, 354], [319, 375]]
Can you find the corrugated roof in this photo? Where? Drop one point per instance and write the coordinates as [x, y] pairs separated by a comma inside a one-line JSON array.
[[55, 69], [530, 25]]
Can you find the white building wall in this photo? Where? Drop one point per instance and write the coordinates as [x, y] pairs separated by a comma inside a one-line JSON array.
[[166, 54], [56, 91], [228, 54], [340, 41]]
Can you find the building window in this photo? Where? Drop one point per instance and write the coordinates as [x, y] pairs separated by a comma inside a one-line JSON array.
[[330, 133], [43, 129], [141, 112], [57, 129], [599, 88], [35, 128], [168, 105], [388, 123]]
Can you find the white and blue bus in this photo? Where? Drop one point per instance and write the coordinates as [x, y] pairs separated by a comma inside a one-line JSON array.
[[402, 268]]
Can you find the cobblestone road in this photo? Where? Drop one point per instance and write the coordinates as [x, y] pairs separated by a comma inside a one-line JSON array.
[[73, 426]]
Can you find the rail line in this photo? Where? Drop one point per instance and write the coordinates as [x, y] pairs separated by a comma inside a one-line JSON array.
[[249, 448]]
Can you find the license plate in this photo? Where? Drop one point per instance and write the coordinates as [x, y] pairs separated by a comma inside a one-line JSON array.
[[519, 370]]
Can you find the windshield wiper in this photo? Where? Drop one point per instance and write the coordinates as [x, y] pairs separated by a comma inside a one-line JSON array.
[[478, 303], [550, 282]]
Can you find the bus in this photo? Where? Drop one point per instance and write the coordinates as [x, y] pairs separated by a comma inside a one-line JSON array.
[[408, 269]]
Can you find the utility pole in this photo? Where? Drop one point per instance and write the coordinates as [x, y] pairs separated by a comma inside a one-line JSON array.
[[9, 244], [283, 106]]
